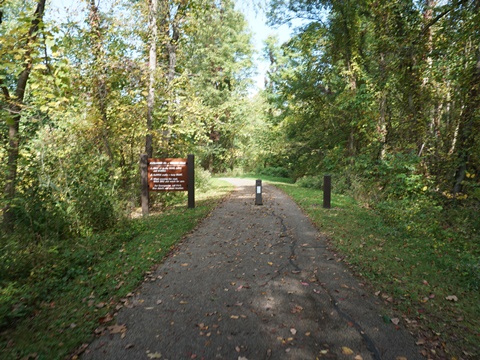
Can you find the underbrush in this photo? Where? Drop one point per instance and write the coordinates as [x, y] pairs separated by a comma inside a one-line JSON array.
[[54, 294]]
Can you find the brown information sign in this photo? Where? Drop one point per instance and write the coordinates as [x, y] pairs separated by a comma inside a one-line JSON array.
[[168, 174]]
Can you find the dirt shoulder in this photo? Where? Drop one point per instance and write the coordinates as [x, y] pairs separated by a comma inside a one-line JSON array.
[[253, 282]]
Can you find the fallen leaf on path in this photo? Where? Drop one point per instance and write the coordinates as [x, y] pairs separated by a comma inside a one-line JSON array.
[[105, 319], [346, 350], [451, 298], [358, 357], [396, 321], [293, 331], [129, 346], [155, 355], [185, 264], [296, 309], [235, 317], [117, 329]]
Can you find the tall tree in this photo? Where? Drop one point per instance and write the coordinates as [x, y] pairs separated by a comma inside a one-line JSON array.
[[100, 75], [13, 96], [218, 58], [152, 67]]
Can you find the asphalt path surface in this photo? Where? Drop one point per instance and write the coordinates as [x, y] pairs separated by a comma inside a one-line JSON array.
[[253, 282]]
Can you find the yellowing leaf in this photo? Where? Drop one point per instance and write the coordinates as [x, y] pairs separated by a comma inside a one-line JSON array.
[[346, 350], [156, 355]]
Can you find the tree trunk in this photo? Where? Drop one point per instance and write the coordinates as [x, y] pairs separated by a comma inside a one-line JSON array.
[[172, 36], [468, 125], [152, 67], [15, 108], [100, 90], [432, 129]]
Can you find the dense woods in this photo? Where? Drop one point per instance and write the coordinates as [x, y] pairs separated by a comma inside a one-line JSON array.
[[384, 95], [85, 93], [372, 88]]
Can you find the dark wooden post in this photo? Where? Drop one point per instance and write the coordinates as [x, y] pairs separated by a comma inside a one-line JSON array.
[[258, 192], [144, 182], [327, 191], [191, 181]]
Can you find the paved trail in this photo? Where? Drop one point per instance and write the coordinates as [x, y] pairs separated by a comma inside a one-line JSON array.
[[253, 282]]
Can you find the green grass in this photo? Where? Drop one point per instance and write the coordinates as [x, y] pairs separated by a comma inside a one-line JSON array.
[[409, 269], [271, 179], [65, 299]]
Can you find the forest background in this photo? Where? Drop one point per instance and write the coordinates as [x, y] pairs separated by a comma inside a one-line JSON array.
[[382, 95]]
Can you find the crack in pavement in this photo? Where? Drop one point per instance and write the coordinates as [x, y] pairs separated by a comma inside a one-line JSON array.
[[228, 292]]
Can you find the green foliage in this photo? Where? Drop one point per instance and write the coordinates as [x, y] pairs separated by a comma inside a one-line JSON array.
[[310, 182], [62, 282], [202, 179], [368, 93], [274, 171]]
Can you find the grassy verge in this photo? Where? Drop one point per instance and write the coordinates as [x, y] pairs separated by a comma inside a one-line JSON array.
[[423, 280], [80, 287]]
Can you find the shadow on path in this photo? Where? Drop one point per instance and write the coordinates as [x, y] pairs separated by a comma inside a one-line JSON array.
[[252, 282]]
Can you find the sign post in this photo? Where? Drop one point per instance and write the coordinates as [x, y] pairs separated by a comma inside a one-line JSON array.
[[191, 181]]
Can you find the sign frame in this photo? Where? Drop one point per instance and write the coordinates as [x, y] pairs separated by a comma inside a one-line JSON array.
[[167, 174]]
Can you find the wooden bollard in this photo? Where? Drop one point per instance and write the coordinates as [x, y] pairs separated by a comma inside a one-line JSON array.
[[327, 191]]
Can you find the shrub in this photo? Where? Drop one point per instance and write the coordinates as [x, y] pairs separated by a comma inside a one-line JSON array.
[[202, 178], [310, 182], [274, 171]]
